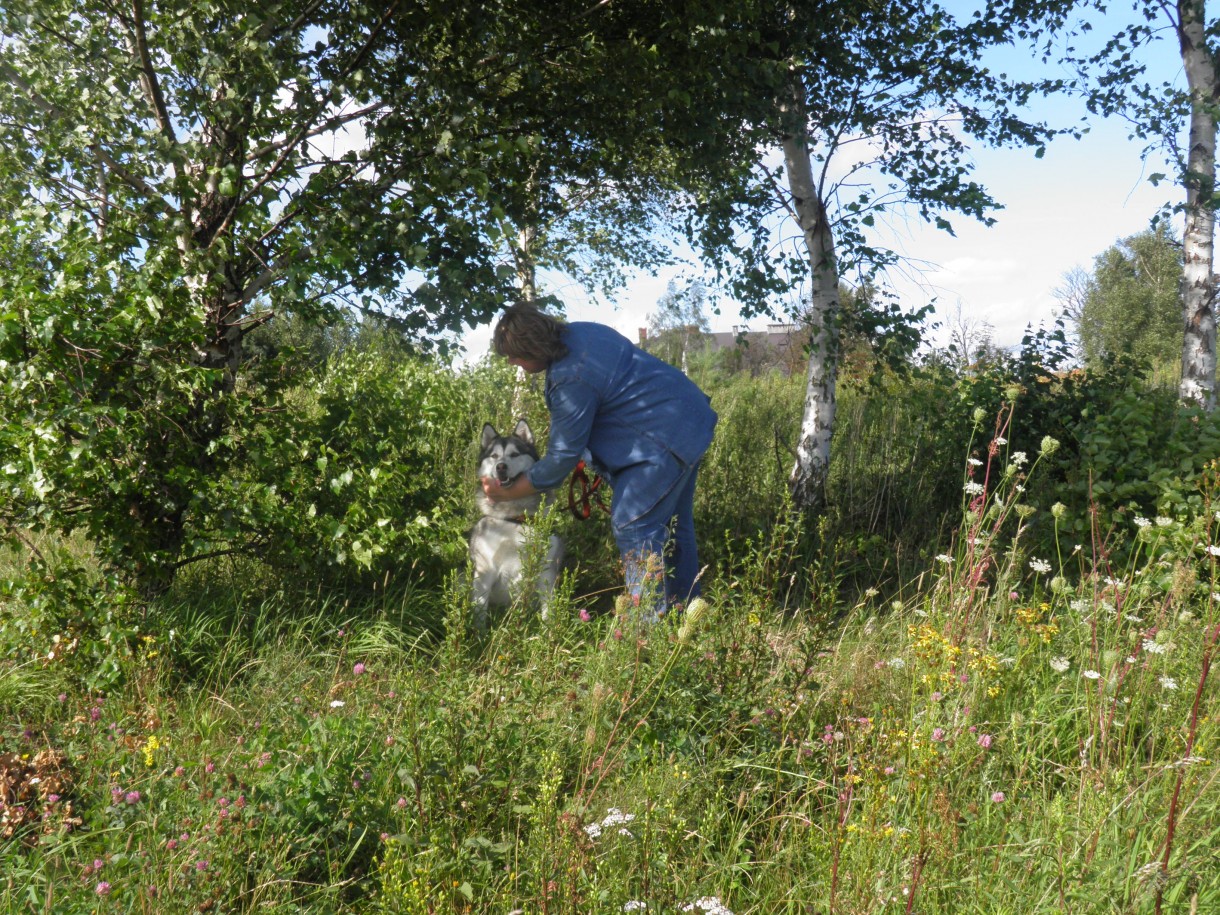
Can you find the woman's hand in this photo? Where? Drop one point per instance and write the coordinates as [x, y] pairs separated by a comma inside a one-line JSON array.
[[499, 492]]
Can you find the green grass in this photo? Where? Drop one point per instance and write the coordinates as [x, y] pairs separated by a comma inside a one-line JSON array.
[[996, 739]]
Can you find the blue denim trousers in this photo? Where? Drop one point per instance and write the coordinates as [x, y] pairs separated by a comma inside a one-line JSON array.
[[660, 559]]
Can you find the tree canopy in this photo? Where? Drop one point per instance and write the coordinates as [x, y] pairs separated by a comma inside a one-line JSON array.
[[1132, 303]]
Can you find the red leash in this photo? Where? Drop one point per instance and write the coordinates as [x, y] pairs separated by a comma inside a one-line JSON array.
[[590, 493]]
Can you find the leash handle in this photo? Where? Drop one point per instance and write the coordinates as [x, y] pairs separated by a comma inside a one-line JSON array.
[[581, 506]]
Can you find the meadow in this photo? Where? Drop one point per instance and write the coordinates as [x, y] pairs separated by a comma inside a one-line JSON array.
[[978, 682]]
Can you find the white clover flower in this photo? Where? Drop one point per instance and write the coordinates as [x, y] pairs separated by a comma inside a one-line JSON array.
[[1141, 522], [1019, 459], [1153, 647], [945, 558], [972, 488], [710, 904], [1039, 565], [1091, 675], [1162, 521], [614, 817], [1168, 683], [1060, 664]]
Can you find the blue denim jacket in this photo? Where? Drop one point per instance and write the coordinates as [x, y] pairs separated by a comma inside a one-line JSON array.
[[625, 406]]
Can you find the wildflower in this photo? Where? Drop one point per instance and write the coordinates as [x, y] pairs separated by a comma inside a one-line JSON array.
[[210, 767], [938, 734], [897, 663], [179, 771], [984, 741], [1153, 647], [584, 615], [358, 669], [945, 558], [1058, 510], [1092, 675], [1019, 459], [1168, 683], [634, 905], [1000, 440], [889, 770], [974, 462], [1049, 446], [614, 817], [103, 888], [132, 797], [1039, 565], [972, 488], [997, 797], [338, 703], [1162, 521], [1141, 522], [401, 803], [710, 904], [201, 864], [1213, 549]]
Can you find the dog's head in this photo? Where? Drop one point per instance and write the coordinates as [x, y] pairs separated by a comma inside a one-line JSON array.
[[506, 457]]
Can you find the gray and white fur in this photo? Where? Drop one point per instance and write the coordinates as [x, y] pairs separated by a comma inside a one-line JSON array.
[[498, 541]]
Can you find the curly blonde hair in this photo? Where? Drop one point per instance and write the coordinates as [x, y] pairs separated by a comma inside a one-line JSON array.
[[524, 332]]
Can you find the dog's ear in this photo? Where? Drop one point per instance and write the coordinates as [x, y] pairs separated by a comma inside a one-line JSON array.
[[489, 434], [523, 432]]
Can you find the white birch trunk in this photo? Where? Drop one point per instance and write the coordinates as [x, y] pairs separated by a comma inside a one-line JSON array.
[[1198, 383], [808, 476]]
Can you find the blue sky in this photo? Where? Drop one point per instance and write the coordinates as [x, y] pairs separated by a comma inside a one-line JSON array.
[[1059, 213]]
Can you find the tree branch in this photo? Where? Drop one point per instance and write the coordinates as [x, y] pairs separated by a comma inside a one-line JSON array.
[[148, 75]]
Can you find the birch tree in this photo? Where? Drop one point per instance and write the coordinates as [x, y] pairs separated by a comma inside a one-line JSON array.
[[1120, 82], [174, 174], [878, 118]]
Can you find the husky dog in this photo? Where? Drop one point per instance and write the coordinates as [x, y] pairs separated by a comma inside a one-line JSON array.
[[498, 540]]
